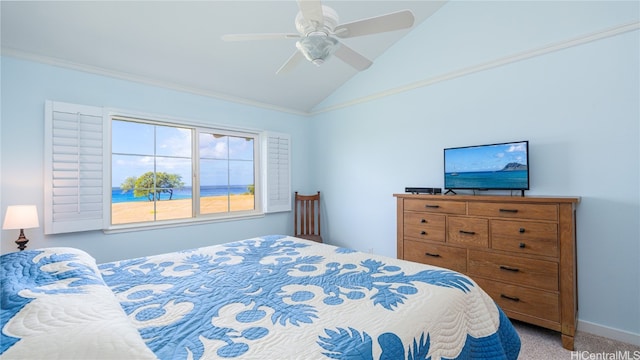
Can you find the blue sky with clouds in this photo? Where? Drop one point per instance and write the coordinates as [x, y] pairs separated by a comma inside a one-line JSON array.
[[138, 148]]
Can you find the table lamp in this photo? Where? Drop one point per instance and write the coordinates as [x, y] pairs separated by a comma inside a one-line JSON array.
[[21, 217]]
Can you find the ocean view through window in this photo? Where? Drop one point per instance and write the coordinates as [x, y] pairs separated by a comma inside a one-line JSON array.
[[163, 172]]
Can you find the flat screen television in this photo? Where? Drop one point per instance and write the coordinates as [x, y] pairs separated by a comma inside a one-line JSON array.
[[503, 166]]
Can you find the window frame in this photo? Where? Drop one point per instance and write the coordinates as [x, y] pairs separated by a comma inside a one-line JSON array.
[[196, 129]]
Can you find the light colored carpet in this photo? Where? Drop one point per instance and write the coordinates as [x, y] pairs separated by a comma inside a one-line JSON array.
[[543, 344]]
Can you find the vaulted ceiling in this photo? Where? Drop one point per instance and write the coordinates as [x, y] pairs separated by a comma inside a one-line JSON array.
[[177, 44]]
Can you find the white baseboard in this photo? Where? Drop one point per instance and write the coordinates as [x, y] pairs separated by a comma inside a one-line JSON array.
[[608, 332]]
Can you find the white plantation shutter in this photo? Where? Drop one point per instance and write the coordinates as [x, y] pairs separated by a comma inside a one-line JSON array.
[[278, 172], [74, 167]]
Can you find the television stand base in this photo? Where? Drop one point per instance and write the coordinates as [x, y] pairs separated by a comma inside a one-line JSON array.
[[450, 191]]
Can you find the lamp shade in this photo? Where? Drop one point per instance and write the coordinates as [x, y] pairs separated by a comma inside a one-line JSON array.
[[21, 217]]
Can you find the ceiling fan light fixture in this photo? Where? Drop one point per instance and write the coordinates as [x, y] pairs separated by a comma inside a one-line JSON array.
[[317, 47], [319, 34]]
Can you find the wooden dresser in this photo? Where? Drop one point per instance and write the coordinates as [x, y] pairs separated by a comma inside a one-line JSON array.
[[520, 250]]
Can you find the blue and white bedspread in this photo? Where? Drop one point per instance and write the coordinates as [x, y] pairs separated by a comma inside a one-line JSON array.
[[55, 305], [274, 297]]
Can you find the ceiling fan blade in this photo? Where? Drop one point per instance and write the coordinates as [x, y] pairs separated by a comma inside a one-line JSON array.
[[262, 36], [352, 57], [311, 11], [379, 24], [291, 63]]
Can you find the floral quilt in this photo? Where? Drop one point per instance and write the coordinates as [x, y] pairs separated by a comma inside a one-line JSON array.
[[279, 297]]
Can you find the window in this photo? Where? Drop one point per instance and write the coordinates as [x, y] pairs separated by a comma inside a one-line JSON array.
[[108, 170], [156, 176], [151, 171], [227, 180]]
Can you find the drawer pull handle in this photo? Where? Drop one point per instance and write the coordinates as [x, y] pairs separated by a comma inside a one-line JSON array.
[[432, 206], [423, 232], [432, 254], [467, 232], [521, 230], [509, 268], [512, 298], [509, 210], [424, 221], [522, 245]]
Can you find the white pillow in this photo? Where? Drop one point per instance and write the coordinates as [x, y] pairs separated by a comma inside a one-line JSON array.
[[55, 305]]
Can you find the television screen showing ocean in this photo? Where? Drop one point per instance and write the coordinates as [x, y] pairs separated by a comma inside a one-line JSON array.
[[117, 196], [487, 180]]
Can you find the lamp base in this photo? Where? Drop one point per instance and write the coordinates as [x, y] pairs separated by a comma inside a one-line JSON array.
[[22, 240]]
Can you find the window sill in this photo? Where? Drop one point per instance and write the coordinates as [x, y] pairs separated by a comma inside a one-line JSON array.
[[116, 229]]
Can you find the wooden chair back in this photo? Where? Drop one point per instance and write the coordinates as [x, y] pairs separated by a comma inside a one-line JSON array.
[[307, 217]]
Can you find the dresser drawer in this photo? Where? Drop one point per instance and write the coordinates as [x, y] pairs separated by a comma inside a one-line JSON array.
[[537, 303], [436, 206], [423, 226], [438, 255], [468, 231], [515, 210], [521, 271], [536, 238]]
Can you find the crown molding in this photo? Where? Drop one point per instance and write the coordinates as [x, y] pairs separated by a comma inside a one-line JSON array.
[[141, 79], [510, 59], [528, 54]]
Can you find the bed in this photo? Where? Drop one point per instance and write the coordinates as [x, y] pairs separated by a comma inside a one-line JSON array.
[[272, 297]]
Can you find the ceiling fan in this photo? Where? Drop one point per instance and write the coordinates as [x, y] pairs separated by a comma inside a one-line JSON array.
[[319, 34]]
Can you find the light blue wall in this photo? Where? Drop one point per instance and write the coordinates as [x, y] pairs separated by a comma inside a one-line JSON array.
[[579, 107], [25, 87]]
